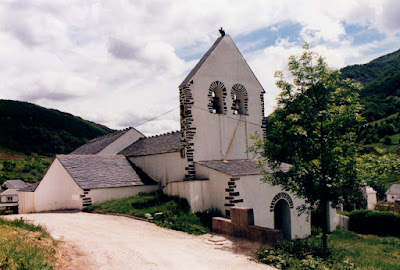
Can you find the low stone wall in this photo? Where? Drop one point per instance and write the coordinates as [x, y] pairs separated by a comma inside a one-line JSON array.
[[241, 225]]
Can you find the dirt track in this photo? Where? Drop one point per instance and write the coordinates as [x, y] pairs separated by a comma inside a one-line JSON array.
[[92, 241]]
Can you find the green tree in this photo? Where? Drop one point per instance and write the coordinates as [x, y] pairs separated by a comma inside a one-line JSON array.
[[314, 129], [374, 169]]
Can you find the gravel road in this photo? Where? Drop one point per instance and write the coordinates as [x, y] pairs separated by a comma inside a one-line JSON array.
[[93, 241]]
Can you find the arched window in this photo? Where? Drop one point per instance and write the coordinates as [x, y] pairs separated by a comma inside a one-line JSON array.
[[239, 99], [216, 97]]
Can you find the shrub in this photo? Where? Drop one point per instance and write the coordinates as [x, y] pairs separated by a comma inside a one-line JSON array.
[[303, 254], [9, 165], [387, 207], [207, 215], [387, 140], [372, 222]]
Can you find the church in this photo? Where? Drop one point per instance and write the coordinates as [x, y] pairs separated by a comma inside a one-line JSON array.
[[206, 162]]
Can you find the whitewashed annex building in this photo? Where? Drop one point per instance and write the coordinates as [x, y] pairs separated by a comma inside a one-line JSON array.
[[206, 162]]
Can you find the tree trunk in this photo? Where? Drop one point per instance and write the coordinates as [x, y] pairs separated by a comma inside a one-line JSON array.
[[325, 219]]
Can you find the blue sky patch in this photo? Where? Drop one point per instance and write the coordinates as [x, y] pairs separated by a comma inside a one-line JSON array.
[[363, 34], [266, 37]]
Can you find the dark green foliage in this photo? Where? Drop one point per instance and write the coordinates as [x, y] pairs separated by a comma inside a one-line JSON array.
[[303, 254], [167, 211], [314, 130], [372, 222], [387, 140], [28, 128], [372, 70], [31, 168], [206, 216], [381, 78], [9, 165], [347, 251]]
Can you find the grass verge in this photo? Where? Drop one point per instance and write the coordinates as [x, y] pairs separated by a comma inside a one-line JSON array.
[[25, 246], [166, 211], [348, 250]]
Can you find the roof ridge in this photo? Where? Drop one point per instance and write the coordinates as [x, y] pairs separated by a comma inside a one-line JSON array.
[[201, 61], [162, 134]]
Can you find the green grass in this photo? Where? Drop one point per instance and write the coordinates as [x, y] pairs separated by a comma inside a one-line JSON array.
[[173, 212], [25, 246], [348, 250]]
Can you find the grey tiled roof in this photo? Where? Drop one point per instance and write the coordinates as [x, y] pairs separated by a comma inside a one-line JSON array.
[[394, 189], [200, 63], [100, 171], [166, 143], [96, 145], [15, 184], [30, 188], [9, 192], [237, 167]]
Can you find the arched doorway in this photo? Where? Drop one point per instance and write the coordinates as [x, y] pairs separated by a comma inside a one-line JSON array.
[[282, 218]]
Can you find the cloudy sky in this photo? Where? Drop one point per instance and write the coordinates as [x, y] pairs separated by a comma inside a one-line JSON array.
[[119, 63]]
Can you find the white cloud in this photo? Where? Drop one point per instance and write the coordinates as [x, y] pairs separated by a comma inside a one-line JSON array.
[[120, 62]]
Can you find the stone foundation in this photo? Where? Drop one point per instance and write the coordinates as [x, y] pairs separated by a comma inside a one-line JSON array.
[[241, 225]]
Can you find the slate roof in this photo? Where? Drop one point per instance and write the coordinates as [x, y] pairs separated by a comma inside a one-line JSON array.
[[96, 145], [165, 143], [394, 189], [200, 63], [30, 188], [15, 184], [9, 192], [100, 171], [237, 167]]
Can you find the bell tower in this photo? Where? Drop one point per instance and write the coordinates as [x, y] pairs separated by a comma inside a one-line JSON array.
[[221, 104]]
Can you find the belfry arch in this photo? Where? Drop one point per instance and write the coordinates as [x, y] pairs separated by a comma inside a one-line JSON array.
[[216, 98], [239, 99]]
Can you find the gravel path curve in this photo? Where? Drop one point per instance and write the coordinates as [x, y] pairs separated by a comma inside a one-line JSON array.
[[93, 241]]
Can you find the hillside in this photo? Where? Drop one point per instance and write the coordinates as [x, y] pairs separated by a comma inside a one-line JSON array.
[[366, 73], [381, 80], [29, 128]]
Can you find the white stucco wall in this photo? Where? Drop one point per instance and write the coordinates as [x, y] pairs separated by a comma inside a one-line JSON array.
[[197, 193], [105, 194], [163, 168], [390, 197], [3, 198], [203, 195], [56, 191], [218, 137], [131, 136], [371, 197], [259, 195], [26, 203]]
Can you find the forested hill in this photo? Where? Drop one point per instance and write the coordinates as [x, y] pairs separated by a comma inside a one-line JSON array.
[[381, 80], [29, 128], [368, 72]]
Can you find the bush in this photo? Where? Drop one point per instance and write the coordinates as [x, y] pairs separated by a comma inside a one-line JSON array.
[[387, 140], [371, 222], [303, 254], [206, 216], [387, 207]]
